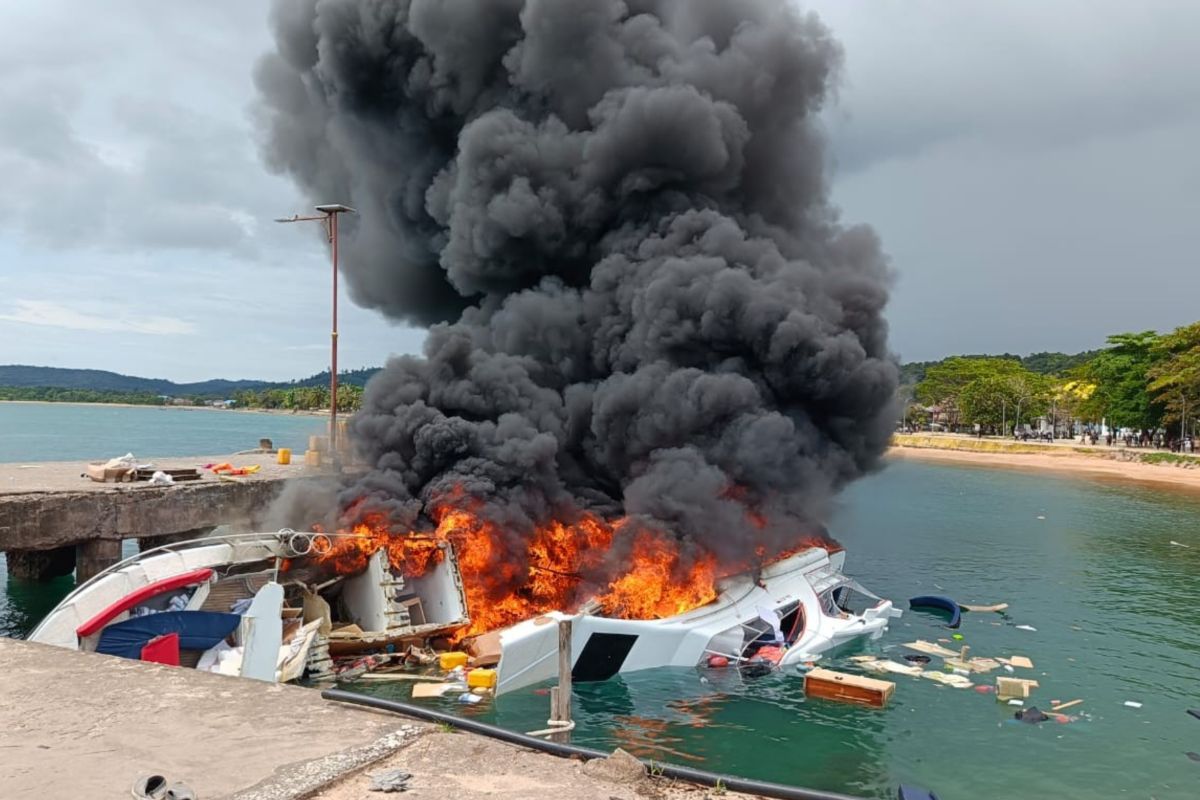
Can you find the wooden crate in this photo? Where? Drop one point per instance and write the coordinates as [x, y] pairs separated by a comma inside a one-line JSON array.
[[1014, 688], [830, 685]]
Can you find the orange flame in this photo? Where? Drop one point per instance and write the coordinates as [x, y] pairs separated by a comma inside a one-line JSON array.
[[656, 585], [555, 568]]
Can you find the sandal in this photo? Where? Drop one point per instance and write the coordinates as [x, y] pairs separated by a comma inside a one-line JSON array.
[[150, 787], [180, 791]]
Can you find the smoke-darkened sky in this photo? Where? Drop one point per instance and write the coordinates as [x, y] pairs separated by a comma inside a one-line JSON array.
[[1030, 168]]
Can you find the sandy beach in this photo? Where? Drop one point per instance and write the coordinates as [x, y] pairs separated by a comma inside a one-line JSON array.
[[1114, 464]]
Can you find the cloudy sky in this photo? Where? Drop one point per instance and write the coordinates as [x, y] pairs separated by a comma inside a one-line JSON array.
[[1032, 168]]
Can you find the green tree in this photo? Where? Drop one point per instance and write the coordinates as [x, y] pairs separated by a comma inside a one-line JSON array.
[[1121, 374], [1005, 398], [946, 385], [349, 398], [1175, 375]]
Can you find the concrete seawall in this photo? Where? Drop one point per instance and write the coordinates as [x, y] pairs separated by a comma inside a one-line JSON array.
[[53, 521]]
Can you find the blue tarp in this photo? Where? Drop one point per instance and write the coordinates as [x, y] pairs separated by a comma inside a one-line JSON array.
[[198, 630]]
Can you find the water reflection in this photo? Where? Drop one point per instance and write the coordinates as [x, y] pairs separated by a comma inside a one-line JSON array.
[[26, 602], [721, 721]]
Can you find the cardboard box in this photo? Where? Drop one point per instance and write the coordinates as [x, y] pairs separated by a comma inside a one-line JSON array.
[[485, 649], [102, 474]]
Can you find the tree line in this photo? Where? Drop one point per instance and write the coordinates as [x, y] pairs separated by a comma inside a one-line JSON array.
[[300, 398], [297, 398], [1142, 381], [53, 394]]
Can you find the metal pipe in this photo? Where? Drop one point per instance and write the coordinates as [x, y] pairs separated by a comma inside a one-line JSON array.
[[333, 367], [698, 776]]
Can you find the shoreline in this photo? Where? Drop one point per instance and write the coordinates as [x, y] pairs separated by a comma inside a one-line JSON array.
[[286, 412], [1081, 463]]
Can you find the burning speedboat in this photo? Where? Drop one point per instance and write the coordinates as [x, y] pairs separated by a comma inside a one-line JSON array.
[[254, 605], [792, 611]]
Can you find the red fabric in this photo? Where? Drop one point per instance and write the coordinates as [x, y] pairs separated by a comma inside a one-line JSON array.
[[770, 653], [140, 596], [162, 650]]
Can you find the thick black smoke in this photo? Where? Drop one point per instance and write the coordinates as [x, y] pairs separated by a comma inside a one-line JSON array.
[[617, 214]]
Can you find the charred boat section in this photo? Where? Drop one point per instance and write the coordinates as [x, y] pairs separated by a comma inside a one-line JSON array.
[[255, 605]]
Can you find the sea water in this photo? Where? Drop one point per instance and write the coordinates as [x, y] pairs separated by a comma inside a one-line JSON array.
[[69, 431], [1090, 565]]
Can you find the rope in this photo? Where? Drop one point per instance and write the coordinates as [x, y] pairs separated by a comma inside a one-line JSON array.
[[556, 726]]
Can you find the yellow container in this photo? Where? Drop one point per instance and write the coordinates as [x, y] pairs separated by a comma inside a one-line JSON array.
[[312, 458], [449, 661], [284, 456], [482, 679]]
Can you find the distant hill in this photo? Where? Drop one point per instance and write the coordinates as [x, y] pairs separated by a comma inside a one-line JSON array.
[[1043, 363], [22, 376]]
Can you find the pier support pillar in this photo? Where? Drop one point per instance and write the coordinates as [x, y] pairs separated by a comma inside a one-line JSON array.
[[40, 565], [94, 556], [150, 542]]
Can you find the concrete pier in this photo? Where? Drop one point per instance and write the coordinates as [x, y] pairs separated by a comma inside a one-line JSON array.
[[52, 520], [85, 725]]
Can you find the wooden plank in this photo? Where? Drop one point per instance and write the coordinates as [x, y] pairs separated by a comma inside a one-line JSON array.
[[1058, 708], [398, 676], [997, 607], [932, 649]]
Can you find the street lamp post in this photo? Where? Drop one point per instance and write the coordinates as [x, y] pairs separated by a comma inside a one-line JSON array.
[[329, 215], [1183, 422]]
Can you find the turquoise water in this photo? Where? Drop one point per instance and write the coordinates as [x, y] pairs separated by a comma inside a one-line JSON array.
[[1089, 564], [64, 432], [1113, 602]]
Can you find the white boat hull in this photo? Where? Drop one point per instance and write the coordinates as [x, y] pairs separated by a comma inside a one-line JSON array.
[[602, 647]]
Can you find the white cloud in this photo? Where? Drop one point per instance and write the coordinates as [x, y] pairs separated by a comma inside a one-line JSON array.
[[56, 315]]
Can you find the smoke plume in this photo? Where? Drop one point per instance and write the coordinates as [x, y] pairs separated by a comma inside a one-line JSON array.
[[615, 216]]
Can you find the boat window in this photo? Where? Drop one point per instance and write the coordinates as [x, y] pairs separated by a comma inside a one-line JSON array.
[[850, 601], [791, 621]]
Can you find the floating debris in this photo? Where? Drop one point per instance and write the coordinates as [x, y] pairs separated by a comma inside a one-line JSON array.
[[996, 607], [1032, 715], [948, 679]]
